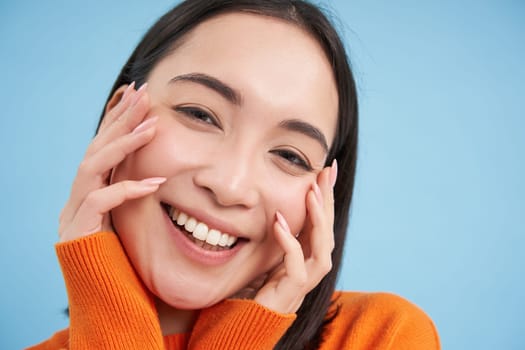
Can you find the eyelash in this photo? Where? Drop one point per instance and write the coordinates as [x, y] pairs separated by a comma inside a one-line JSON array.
[[198, 115], [202, 116], [294, 159]]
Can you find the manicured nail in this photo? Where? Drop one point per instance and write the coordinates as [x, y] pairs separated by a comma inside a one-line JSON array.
[[333, 172], [153, 181], [127, 91], [146, 124], [139, 94], [282, 221], [317, 192], [143, 87]]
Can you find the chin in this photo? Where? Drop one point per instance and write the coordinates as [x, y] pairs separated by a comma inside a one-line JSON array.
[[185, 297]]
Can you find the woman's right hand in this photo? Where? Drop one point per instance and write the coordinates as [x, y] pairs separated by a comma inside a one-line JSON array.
[[124, 130]]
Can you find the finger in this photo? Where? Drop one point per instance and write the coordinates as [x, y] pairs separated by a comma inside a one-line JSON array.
[[115, 112], [136, 109], [332, 178], [293, 255], [132, 99], [88, 218], [115, 152], [326, 181], [318, 235], [285, 288], [321, 236], [318, 210], [93, 170]]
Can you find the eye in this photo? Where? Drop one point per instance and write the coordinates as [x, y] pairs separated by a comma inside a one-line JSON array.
[[198, 114], [293, 158]]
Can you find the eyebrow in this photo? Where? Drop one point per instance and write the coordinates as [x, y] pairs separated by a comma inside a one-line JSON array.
[[215, 84], [234, 97], [305, 129]]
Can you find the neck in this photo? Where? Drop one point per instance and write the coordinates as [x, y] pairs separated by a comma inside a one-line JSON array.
[[174, 321]]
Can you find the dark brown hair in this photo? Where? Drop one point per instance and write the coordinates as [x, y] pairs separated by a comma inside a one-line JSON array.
[[164, 36]]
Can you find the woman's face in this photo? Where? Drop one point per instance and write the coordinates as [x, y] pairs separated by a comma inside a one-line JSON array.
[[247, 106]]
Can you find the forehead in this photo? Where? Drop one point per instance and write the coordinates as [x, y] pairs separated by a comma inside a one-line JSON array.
[[272, 63]]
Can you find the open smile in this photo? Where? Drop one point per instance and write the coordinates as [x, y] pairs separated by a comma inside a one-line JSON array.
[[199, 241], [202, 235]]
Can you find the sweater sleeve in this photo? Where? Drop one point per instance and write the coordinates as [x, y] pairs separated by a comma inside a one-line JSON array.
[[109, 307], [379, 321], [238, 324]]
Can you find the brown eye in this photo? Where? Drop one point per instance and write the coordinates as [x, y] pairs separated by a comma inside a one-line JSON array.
[[293, 158], [198, 115]]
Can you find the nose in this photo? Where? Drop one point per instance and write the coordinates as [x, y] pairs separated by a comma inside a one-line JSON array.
[[230, 177]]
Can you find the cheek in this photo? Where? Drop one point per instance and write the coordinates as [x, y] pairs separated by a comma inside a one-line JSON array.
[[171, 151], [290, 200]]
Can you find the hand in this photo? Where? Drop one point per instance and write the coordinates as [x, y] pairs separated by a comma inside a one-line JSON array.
[[307, 259], [122, 132]]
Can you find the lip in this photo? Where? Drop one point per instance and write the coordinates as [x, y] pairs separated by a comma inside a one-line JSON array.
[[196, 253], [210, 221]]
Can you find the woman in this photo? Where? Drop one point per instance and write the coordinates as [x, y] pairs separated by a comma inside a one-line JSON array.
[[209, 211]]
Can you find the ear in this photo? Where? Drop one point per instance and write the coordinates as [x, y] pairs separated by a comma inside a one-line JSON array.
[[113, 101], [115, 98]]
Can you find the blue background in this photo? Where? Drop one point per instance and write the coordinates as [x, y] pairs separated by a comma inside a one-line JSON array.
[[438, 215]]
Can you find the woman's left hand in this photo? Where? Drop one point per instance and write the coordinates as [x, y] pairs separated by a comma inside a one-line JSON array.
[[308, 258]]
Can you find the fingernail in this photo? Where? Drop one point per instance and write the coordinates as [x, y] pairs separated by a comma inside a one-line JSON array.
[[333, 172], [282, 221], [317, 192], [143, 87], [139, 94], [126, 92], [146, 124], [153, 181]]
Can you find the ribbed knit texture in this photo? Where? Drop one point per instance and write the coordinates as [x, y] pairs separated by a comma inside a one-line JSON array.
[[239, 324], [176, 341], [111, 309], [99, 277]]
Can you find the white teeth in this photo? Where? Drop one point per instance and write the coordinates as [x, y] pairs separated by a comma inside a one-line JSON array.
[[182, 218], [213, 237], [224, 240], [200, 230], [190, 224]]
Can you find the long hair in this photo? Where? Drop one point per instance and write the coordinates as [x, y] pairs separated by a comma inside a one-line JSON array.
[[318, 308]]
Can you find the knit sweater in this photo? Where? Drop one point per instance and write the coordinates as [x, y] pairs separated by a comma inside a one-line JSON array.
[[111, 309]]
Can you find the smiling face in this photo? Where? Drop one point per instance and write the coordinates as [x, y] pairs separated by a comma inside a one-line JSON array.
[[247, 106]]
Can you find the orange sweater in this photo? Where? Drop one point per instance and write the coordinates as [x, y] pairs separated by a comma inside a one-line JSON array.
[[111, 309]]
